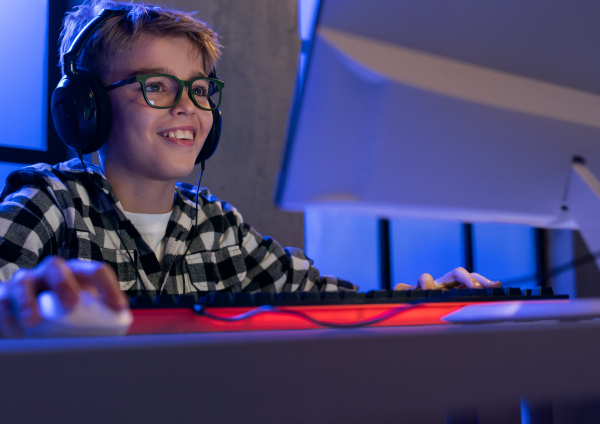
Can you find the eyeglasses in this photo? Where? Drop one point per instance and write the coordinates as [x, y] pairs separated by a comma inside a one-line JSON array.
[[163, 91]]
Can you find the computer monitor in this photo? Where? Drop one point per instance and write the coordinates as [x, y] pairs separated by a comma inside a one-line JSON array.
[[462, 110]]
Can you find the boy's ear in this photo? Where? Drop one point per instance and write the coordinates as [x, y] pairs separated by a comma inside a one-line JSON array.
[[81, 111]]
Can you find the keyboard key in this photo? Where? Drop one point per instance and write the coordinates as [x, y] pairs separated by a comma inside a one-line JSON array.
[[352, 296], [288, 298], [164, 301], [243, 299], [497, 292], [185, 301], [417, 294], [513, 291], [378, 294], [141, 302], [432, 294], [220, 299], [311, 297], [264, 298], [400, 295], [546, 291], [333, 297]]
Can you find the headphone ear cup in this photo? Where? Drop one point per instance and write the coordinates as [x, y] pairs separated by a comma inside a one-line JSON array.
[[212, 139], [81, 111]]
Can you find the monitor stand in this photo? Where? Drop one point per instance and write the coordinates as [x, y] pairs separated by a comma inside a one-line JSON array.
[[583, 203]]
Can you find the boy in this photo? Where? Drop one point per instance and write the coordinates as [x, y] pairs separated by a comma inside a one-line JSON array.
[[126, 226]]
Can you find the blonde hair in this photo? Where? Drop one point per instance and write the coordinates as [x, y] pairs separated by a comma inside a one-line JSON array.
[[122, 32]]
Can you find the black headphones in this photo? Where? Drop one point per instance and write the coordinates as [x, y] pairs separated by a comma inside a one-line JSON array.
[[81, 108]]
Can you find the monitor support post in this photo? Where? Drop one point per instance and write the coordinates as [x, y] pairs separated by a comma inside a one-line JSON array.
[[583, 202]]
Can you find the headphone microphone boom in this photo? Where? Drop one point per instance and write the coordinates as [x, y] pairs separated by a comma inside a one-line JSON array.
[[81, 109]]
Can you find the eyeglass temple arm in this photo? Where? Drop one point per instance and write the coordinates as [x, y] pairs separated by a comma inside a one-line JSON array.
[[119, 83]]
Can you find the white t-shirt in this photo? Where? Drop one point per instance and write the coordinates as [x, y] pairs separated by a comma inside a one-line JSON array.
[[152, 227]]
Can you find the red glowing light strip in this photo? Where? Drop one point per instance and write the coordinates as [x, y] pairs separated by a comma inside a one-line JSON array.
[[179, 320]]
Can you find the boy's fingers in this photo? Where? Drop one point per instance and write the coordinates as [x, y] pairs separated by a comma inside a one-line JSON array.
[[485, 281], [9, 325], [18, 297], [53, 274], [426, 282], [403, 286], [459, 276], [23, 296], [101, 279]]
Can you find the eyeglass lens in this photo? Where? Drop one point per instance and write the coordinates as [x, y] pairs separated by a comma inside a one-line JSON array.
[[162, 91]]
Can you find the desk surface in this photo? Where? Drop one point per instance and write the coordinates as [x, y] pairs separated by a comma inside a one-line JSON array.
[[366, 375]]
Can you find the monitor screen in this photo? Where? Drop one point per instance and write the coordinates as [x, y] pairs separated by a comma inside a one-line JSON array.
[[463, 110]]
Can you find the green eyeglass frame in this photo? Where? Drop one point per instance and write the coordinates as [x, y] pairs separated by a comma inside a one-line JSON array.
[[143, 78]]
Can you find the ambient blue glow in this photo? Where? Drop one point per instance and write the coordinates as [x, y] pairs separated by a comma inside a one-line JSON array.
[[503, 252], [424, 245], [24, 55], [7, 168], [344, 245]]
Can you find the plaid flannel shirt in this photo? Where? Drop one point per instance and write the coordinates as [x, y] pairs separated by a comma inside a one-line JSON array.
[[52, 210]]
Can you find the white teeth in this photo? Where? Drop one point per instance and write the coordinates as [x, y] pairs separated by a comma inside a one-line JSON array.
[[180, 134]]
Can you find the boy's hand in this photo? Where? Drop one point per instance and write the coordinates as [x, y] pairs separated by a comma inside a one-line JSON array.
[[458, 277], [18, 297]]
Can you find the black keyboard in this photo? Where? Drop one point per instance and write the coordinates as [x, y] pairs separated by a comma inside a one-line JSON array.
[[225, 299]]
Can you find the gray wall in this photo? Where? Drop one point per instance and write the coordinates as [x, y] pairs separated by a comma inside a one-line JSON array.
[[258, 66]]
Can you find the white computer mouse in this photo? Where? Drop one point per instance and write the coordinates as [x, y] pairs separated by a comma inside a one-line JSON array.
[[89, 317]]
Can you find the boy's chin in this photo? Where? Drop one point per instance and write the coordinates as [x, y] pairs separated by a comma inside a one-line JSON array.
[[179, 173], [167, 169]]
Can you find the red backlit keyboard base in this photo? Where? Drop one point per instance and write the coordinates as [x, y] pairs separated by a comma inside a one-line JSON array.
[[185, 320]]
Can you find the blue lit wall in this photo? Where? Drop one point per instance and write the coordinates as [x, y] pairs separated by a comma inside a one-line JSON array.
[[347, 245], [344, 245], [7, 168], [24, 58], [504, 252], [419, 245]]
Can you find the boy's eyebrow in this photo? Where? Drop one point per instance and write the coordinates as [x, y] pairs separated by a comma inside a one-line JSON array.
[[146, 71]]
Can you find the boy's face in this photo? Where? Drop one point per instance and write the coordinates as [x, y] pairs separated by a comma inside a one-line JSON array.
[[139, 145]]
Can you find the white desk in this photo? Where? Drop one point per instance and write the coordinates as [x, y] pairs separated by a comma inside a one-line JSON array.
[[409, 374]]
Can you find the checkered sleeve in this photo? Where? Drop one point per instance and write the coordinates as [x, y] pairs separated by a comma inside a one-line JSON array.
[[29, 222], [273, 268]]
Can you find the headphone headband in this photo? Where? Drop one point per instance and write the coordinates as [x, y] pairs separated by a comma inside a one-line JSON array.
[[70, 57]]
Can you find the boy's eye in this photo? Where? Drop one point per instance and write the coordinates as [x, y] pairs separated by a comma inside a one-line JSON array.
[[200, 91], [154, 87], [161, 85]]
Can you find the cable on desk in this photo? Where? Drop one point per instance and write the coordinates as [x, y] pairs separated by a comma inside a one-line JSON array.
[[201, 310], [555, 271]]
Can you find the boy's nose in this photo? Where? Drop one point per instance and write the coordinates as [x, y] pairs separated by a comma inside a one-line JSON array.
[[186, 105]]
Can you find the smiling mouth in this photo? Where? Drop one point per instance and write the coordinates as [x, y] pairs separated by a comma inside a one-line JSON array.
[[178, 134]]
